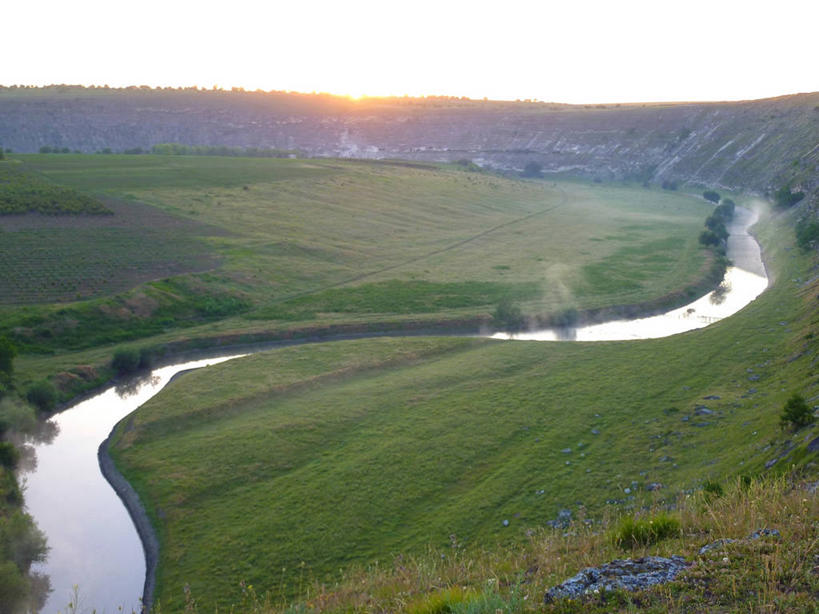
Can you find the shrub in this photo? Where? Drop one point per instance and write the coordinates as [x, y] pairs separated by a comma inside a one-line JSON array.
[[42, 395], [806, 233], [709, 238], [9, 456], [712, 489], [125, 361], [508, 316], [16, 415], [13, 586], [632, 532], [147, 358], [711, 195], [784, 197], [796, 413]]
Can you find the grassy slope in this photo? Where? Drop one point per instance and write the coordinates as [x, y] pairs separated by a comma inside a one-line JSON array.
[[355, 243], [284, 461], [305, 225]]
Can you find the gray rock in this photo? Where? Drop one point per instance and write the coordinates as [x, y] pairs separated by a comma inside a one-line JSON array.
[[771, 463], [813, 446], [595, 431], [505, 523], [716, 544], [563, 520], [624, 574], [702, 410], [703, 423], [712, 397], [764, 533], [566, 450], [753, 378], [654, 486]]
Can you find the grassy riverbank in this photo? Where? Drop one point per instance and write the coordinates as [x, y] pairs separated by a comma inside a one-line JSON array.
[[294, 245], [297, 463]]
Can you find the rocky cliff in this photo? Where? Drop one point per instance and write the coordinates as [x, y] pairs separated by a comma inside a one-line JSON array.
[[759, 145]]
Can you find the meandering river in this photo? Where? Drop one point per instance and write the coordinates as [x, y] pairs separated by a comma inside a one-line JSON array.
[[93, 542]]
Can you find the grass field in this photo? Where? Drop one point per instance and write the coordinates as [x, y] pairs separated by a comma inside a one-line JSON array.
[[298, 463], [307, 243]]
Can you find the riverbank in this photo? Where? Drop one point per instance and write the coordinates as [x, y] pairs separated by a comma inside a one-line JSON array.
[[136, 511]]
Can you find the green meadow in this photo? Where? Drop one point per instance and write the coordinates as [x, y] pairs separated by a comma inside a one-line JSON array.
[[290, 466], [202, 247]]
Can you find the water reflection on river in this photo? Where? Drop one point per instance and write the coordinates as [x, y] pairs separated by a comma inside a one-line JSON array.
[[742, 283], [92, 541]]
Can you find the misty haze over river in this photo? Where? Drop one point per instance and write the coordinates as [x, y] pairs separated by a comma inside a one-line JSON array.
[[93, 542]]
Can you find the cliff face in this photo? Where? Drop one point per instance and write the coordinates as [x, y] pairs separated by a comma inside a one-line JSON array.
[[757, 145]]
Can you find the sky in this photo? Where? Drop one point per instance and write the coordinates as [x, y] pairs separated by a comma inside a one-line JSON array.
[[572, 51]]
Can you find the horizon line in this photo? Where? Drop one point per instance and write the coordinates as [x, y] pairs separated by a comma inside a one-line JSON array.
[[368, 97]]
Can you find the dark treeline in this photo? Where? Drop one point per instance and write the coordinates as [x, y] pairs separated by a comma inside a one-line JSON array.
[[177, 149], [21, 542], [715, 234]]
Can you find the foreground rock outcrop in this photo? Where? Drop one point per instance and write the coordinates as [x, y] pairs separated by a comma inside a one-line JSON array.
[[620, 574]]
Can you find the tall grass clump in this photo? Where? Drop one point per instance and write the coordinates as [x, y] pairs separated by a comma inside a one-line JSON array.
[[633, 532]]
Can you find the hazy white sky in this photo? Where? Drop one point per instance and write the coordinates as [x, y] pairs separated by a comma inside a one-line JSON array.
[[569, 51]]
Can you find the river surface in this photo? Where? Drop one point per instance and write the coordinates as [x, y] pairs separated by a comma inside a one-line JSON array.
[[743, 282], [93, 542]]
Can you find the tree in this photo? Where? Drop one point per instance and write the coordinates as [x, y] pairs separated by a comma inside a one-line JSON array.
[[533, 169], [784, 197], [125, 361], [508, 316], [796, 413], [42, 395], [711, 195]]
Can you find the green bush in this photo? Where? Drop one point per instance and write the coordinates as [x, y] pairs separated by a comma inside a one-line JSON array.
[[796, 413], [508, 316], [42, 395], [14, 587], [784, 197], [711, 195], [125, 361], [807, 232], [16, 415], [712, 489], [633, 532], [9, 455]]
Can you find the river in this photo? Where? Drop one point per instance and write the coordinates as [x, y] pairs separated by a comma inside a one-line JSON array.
[[93, 542]]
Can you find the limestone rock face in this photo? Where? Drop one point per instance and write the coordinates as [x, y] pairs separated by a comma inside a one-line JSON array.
[[754, 145]]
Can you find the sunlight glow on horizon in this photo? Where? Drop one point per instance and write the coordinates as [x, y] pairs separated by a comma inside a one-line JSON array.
[[597, 52]]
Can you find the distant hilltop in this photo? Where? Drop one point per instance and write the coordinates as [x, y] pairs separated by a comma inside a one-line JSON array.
[[759, 145]]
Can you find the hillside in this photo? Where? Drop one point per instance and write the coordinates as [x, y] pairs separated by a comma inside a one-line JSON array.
[[349, 452], [756, 145]]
